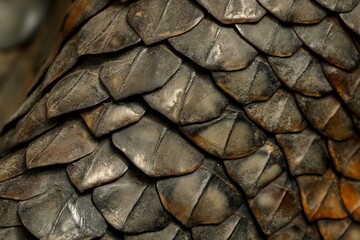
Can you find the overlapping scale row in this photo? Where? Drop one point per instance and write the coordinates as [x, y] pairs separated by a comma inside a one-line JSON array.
[[156, 20], [279, 114], [163, 151], [295, 11], [301, 73], [338, 5], [339, 229], [276, 38], [202, 197], [346, 84], [239, 225], [61, 213], [352, 19], [331, 118], [191, 119], [305, 152], [131, 204], [232, 135], [277, 204], [190, 96], [331, 41], [111, 116], [320, 196], [107, 31], [254, 172], [257, 82], [219, 47], [234, 11]]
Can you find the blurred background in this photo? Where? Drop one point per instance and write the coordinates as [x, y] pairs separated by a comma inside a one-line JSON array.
[[29, 38]]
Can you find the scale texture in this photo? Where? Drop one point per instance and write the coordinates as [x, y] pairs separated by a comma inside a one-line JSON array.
[[184, 119]]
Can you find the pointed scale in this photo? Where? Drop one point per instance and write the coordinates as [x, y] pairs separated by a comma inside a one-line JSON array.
[[331, 41], [189, 96], [254, 172], [139, 70], [320, 196], [302, 73], [131, 204], [232, 135], [279, 114], [257, 82], [276, 204], [188, 198], [108, 31], [305, 152], [327, 115], [158, 143]]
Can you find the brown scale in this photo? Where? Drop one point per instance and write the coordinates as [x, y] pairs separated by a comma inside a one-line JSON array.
[[165, 119]]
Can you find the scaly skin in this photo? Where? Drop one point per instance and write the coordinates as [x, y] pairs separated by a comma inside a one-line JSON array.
[[165, 119]]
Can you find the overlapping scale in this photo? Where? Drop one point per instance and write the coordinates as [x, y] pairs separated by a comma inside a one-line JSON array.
[[279, 114], [339, 229], [81, 158], [58, 213], [305, 152], [33, 183], [276, 204], [78, 90], [276, 38], [295, 11], [33, 124], [73, 137], [298, 228], [217, 47], [352, 19], [126, 75], [302, 73], [156, 20], [346, 156], [131, 204], [13, 164], [108, 31], [101, 166], [28, 104], [202, 197], [234, 11], [327, 115], [338, 5], [232, 135], [189, 96], [350, 195], [254, 172], [320, 196], [346, 84], [158, 143], [110, 116], [81, 11], [239, 225], [257, 82], [331, 41]]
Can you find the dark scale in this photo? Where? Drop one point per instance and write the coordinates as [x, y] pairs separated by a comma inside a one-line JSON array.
[[184, 119]]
